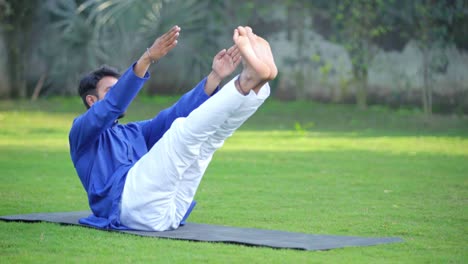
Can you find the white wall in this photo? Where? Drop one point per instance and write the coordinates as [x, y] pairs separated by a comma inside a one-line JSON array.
[[391, 71]]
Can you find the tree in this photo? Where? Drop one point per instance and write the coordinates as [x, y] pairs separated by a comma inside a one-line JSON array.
[[357, 24], [116, 31], [430, 23], [69, 37], [16, 17]]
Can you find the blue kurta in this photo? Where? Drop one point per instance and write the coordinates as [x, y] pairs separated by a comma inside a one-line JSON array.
[[103, 151]]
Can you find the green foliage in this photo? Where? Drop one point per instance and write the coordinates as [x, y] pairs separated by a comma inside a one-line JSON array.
[[16, 18], [92, 33], [357, 25], [62, 39], [431, 23], [116, 32], [16, 14], [78, 36], [74, 33], [5, 12], [360, 25]]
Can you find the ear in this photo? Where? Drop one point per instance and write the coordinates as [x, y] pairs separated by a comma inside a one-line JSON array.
[[91, 99]]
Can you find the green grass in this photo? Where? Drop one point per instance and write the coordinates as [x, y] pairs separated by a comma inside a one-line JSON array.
[[301, 167]]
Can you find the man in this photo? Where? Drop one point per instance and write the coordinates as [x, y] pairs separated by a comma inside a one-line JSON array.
[[144, 175]]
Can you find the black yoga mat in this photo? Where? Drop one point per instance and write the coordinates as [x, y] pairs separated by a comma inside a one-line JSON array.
[[226, 234]]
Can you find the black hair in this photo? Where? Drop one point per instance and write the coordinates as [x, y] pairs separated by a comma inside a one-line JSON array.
[[89, 81]]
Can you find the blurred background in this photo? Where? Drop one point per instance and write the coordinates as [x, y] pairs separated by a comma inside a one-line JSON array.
[[395, 53]]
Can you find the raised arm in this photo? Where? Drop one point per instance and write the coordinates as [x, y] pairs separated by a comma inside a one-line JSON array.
[[103, 113], [224, 63]]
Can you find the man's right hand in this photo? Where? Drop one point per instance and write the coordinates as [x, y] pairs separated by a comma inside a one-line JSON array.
[[159, 49], [164, 44]]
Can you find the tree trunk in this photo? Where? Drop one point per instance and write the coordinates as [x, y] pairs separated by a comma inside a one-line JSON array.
[[300, 18], [360, 75], [38, 88], [426, 89], [361, 94], [16, 67], [18, 41]]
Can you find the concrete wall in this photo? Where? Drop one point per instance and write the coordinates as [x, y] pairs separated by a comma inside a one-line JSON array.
[[326, 69], [404, 70]]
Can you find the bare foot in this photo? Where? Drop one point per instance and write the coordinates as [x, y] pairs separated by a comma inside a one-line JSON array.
[[262, 49], [258, 62]]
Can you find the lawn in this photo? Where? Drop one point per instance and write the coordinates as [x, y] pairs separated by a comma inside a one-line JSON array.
[[297, 166]]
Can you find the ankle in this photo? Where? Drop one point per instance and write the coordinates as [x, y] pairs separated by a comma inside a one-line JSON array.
[[259, 86], [239, 87], [248, 81]]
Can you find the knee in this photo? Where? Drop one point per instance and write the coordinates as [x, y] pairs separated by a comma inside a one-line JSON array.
[[183, 132]]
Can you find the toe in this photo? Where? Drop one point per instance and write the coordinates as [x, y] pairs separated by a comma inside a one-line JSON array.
[[249, 33], [242, 31]]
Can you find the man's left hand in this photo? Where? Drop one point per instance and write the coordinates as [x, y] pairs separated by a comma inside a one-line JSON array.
[[226, 62]]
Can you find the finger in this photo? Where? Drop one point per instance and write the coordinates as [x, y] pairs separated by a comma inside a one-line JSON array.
[[170, 47], [234, 51], [231, 49], [236, 58], [220, 54], [163, 46], [172, 31], [237, 54], [173, 44], [169, 35], [235, 48], [175, 28], [164, 36], [236, 61], [172, 38]]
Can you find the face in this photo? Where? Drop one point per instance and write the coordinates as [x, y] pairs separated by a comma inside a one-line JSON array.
[[102, 87]]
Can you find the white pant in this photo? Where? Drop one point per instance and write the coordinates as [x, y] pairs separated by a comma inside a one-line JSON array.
[[162, 184]]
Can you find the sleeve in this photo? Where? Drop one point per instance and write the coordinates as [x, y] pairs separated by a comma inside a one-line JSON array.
[[87, 127], [155, 128]]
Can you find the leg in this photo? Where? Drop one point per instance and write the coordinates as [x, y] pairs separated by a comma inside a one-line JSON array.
[[149, 196], [194, 174]]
